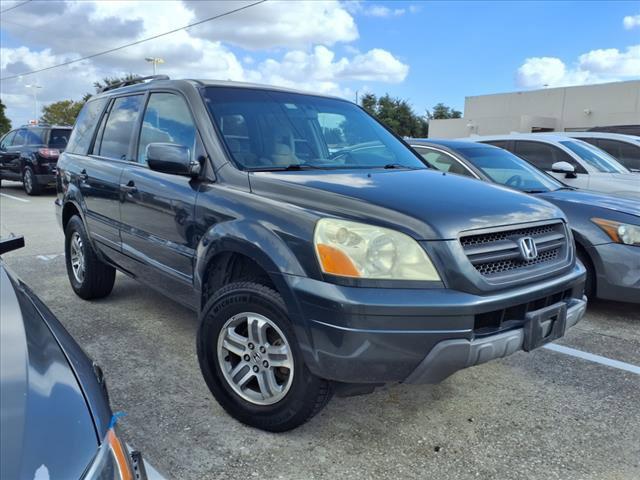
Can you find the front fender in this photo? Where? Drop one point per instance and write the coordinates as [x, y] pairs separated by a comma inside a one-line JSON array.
[[250, 239], [264, 247]]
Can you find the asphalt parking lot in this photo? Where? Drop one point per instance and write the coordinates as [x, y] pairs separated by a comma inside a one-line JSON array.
[[541, 415]]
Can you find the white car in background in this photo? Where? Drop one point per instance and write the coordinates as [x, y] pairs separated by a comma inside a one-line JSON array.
[[572, 161], [624, 148]]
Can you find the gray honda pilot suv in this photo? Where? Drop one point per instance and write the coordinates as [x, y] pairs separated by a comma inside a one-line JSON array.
[[320, 252]]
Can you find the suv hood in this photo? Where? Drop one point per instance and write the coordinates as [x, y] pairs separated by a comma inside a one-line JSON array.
[[46, 426], [428, 205]]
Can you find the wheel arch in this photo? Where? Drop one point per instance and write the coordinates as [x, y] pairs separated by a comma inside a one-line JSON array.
[[229, 241]]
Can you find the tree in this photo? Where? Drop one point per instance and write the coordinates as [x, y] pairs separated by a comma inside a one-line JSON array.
[[110, 81], [441, 111], [5, 123], [396, 114], [63, 112]]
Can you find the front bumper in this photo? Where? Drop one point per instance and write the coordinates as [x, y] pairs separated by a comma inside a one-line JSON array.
[[379, 335], [449, 356], [617, 271]]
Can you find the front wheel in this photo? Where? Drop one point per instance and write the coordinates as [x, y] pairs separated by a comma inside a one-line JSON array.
[[89, 277], [251, 361], [30, 182]]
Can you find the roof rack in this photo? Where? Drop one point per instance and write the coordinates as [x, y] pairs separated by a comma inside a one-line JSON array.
[[132, 81]]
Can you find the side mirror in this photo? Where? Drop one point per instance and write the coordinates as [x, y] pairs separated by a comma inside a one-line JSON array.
[[564, 167], [171, 158]]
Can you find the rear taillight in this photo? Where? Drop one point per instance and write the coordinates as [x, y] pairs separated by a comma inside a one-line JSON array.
[[49, 152]]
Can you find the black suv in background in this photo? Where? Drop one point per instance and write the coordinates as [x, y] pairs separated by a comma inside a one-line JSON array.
[[29, 154], [320, 251]]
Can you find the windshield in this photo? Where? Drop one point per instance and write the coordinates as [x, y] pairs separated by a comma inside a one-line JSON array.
[[270, 130], [505, 168], [595, 157]]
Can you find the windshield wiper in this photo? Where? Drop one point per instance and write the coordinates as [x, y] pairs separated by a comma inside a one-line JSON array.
[[535, 191], [285, 168], [394, 166]]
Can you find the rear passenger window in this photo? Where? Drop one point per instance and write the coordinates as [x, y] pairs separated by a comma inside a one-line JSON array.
[[167, 119], [119, 128], [543, 155], [82, 133]]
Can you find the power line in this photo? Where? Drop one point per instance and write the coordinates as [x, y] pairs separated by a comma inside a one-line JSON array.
[[15, 6], [137, 42]]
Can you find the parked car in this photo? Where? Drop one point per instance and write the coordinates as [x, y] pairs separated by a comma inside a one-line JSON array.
[[624, 148], [313, 271], [56, 421], [606, 228], [574, 162], [29, 154]]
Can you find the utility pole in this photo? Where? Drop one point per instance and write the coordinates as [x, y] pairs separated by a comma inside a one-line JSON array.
[[35, 88], [356, 97]]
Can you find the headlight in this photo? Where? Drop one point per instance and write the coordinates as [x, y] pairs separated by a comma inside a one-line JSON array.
[[619, 232], [351, 249], [111, 462]]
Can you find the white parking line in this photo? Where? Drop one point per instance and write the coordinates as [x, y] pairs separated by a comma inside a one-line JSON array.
[[14, 198], [593, 358]]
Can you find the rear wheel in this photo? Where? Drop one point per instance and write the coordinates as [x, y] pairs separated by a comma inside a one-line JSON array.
[[30, 182], [251, 361], [89, 277]]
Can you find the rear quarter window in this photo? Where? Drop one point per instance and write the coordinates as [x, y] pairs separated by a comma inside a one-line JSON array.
[[80, 138]]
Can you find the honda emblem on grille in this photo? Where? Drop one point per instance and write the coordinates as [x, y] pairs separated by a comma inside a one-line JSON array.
[[528, 248]]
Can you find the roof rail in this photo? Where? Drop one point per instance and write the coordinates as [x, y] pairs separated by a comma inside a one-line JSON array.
[[132, 81]]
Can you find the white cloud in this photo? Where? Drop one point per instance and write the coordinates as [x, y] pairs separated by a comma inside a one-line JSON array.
[[370, 9], [382, 11], [631, 21], [277, 23], [596, 66], [321, 71]]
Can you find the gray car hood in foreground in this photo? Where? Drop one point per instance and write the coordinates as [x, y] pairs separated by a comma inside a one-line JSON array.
[[429, 205], [46, 428]]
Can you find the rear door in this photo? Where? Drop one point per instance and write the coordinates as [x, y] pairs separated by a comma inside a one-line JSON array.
[[99, 172], [158, 228], [544, 155]]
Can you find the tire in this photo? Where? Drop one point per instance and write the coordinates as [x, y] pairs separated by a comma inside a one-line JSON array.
[[97, 278], [298, 394], [30, 182], [590, 283]]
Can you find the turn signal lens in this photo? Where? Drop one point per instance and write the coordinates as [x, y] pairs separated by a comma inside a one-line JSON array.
[[335, 262]]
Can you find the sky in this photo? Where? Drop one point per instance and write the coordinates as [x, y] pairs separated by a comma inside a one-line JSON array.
[[422, 51]]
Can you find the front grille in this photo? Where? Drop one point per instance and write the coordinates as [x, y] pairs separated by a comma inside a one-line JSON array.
[[498, 254]]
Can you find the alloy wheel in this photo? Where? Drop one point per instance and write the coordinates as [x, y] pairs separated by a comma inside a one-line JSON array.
[[77, 257], [255, 358], [28, 180]]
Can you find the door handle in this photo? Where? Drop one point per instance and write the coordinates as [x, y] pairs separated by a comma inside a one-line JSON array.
[[83, 175], [129, 187]]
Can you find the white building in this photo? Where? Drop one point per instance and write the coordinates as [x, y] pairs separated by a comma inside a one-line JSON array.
[[551, 109]]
